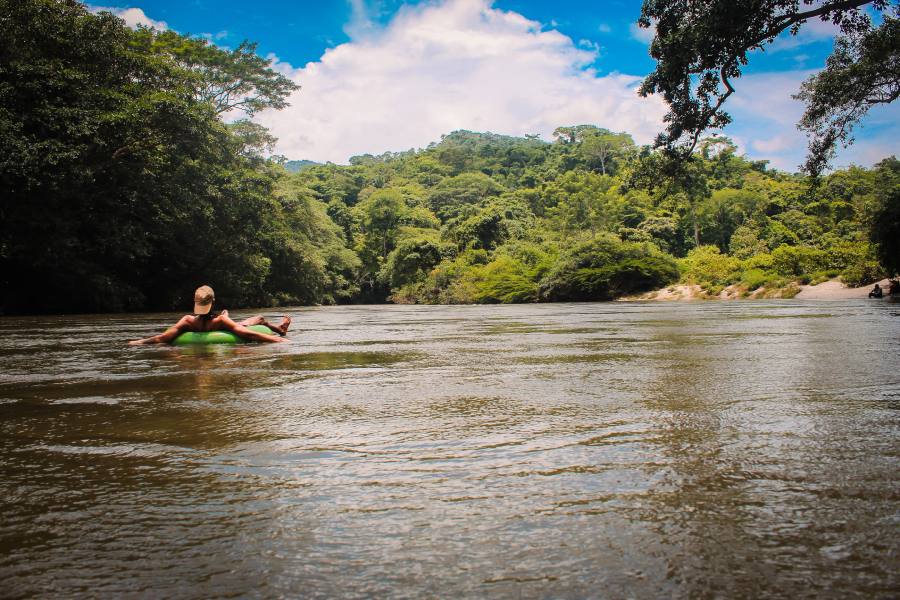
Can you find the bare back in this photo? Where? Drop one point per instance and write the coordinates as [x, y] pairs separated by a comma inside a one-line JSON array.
[[201, 324]]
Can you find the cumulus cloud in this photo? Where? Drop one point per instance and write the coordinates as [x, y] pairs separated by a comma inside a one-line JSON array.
[[456, 64], [132, 16]]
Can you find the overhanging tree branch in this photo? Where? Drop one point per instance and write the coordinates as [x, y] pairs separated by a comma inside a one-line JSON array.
[[712, 39]]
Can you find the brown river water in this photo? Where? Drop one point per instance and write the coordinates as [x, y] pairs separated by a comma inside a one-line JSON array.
[[612, 450]]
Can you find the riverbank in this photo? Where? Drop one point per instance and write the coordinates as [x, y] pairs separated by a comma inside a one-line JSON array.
[[828, 290]]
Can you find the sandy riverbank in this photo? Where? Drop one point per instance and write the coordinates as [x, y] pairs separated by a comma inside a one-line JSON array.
[[835, 290], [829, 290]]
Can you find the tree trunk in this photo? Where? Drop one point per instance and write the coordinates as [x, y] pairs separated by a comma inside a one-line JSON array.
[[696, 227]]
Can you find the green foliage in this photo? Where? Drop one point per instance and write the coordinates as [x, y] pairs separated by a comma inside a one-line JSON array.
[[379, 215], [798, 261], [237, 79], [885, 229], [603, 150], [490, 225], [753, 279], [121, 188], [605, 268], [504, 280], [745, 241], [861, 273], [860, 73], [709, 268], [448, 196], [415, 255]]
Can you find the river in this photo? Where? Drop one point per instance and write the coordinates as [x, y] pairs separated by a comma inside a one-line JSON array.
[[676, 450]]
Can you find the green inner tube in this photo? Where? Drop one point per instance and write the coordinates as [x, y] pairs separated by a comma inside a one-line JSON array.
[[216, 337]]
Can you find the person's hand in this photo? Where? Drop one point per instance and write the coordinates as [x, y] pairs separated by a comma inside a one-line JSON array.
[[224, 313]]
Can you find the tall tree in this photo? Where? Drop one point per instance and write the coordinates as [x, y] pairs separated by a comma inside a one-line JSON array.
[[603, 146], [228, 80], [884, 227]]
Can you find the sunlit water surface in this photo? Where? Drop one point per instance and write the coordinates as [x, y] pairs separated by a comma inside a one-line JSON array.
[[562, 450]]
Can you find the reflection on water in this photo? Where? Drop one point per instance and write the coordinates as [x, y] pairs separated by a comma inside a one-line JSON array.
[[603, 450]]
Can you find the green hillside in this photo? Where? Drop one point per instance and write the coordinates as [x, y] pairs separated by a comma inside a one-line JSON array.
[[591, 216]]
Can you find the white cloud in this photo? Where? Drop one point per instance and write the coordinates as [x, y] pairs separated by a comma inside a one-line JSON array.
[[642, 34], [589, 45], [765, 117], [132, 16], [604, 28], [215, 36], [767, 97], [457, 64], [360, 21], [774, 144], [814, 30]]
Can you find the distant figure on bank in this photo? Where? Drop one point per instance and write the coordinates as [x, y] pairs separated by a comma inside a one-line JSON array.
[[895, 287], [204, 320], [876, 292]]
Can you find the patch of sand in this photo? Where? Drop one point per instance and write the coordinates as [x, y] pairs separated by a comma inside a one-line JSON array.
[[673, 292], [835, 290], [830, 290]]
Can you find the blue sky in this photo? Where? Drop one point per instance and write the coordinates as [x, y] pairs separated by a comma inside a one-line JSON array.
[[390, 75]]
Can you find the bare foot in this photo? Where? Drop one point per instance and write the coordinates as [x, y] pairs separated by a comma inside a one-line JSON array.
[[285, 325]]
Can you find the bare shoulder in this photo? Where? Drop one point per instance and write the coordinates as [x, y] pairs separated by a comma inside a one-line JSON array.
[[187, 321], [222, 321]]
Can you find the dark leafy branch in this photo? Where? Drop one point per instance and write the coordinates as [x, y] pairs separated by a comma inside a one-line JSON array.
[[228, 80], [702, 45], [862, 72]]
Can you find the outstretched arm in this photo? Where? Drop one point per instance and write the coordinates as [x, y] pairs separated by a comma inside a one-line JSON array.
[[167, 336], [247, 333]]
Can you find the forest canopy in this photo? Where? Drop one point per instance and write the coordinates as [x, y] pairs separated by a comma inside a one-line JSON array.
[[123, 189]]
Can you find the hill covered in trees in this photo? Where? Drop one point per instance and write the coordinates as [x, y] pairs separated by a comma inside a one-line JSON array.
[[591, 216], [123, 189]]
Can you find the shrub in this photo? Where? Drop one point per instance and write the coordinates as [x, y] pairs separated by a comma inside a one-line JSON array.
[[504, 280], [605, 268], [708, 267], [411, 260], [862, 272], [796, 261], [885, 229], [754, 279], [762, 261]]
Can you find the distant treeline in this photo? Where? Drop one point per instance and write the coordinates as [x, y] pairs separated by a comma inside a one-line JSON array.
[[591, 216], [123, 189]]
